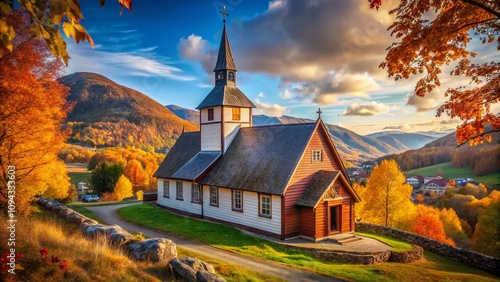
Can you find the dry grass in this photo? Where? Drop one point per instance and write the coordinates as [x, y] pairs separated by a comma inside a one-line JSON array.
[[87, 260]]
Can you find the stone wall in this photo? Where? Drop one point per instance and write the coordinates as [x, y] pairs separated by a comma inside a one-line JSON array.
[[364, 258], [478, 260]]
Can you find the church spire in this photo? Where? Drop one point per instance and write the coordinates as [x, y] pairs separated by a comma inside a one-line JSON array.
[[225, 70], [225, 57]]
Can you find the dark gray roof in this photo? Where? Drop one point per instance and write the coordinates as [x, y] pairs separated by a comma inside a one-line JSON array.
[[186, 147], [226, 95], [261, 159], [316, 188], [196, 166], [225, 57]]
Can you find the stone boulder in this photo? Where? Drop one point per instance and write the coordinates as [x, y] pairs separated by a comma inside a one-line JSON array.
[[58, 208], [157, 250], [188, 268], [51, 205], [64, 212], [205, 276], [90, 221], [76, 218], [116, 235]]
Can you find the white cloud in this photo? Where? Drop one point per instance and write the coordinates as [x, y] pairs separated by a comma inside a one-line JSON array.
[[141, 62], [270, 110], [261, 95], [370, 109], [429, 102], [194, 47], [286, 95], [402, 127]]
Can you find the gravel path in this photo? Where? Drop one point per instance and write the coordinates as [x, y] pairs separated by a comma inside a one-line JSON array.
[[109, 215]]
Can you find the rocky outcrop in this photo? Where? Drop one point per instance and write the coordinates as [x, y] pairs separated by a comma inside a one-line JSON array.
[[157, 250], [189, 269]]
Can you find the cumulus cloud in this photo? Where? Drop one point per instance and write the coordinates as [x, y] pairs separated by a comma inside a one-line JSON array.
[[325, 91], [195, 48], [422, 104], [370, 109], [270, 110]]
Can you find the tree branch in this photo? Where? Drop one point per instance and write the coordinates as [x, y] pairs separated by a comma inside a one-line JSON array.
[[478, 135], [474, 23], [484, 7]]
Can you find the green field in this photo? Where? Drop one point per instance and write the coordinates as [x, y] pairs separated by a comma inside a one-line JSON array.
[[78, 173], [492, 180]]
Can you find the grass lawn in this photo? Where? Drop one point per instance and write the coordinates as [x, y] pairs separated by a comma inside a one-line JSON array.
[[78, 173], [397, 245], [432, 268], [451, 172]]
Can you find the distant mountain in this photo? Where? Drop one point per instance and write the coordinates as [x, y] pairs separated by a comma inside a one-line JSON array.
[[187, 114], [400, 140], [108, 114]]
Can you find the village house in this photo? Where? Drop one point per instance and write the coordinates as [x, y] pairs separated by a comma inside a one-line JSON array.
[[415, 180], [429, 178], [437, 185], [282, 181]]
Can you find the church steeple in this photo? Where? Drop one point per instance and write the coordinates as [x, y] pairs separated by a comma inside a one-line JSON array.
[[225, 69], [225, 109]]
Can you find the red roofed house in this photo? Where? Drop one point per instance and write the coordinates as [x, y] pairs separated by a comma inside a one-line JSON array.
[[282, 180], [437, 185]]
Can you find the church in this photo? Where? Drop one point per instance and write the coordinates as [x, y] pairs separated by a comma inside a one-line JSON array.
[[282, 181]]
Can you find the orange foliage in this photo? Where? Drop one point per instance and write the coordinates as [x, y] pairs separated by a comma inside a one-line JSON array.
[[430, 226], [434, 33], [31, 113]]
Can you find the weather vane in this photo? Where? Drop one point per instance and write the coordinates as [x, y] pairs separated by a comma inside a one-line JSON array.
[[319, 113], [224, 13]]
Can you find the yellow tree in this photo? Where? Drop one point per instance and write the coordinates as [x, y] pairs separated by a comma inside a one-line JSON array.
[[434, 33], [32, 110], [387, 197], [123, 188]]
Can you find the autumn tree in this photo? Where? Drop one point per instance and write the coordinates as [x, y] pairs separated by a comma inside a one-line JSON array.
[[434, 33], [387, 197], [486, 238], [32, 109], [123, 188], [135, 173], [48, 19], [104, 177], [430, 226]]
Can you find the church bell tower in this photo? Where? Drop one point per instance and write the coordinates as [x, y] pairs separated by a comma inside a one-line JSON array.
[[225, 109]]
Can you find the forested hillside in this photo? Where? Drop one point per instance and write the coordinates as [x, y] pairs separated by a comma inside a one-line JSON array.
[[108, 114]]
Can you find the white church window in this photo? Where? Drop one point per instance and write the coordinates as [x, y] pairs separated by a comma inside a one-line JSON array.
[[265, 206], [316, 155]]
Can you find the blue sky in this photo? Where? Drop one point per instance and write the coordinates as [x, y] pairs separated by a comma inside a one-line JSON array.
[[292, 56]]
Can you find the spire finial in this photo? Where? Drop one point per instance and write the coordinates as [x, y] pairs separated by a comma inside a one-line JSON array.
[[319, 113], [224, 13]]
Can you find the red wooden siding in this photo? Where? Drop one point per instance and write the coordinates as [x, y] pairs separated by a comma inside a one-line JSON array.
[[307, 220], [303, 175]]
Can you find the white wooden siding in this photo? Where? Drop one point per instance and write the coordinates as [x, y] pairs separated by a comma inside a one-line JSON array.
[[250, 215], [204, 114], [172, 202], [211, 137]]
